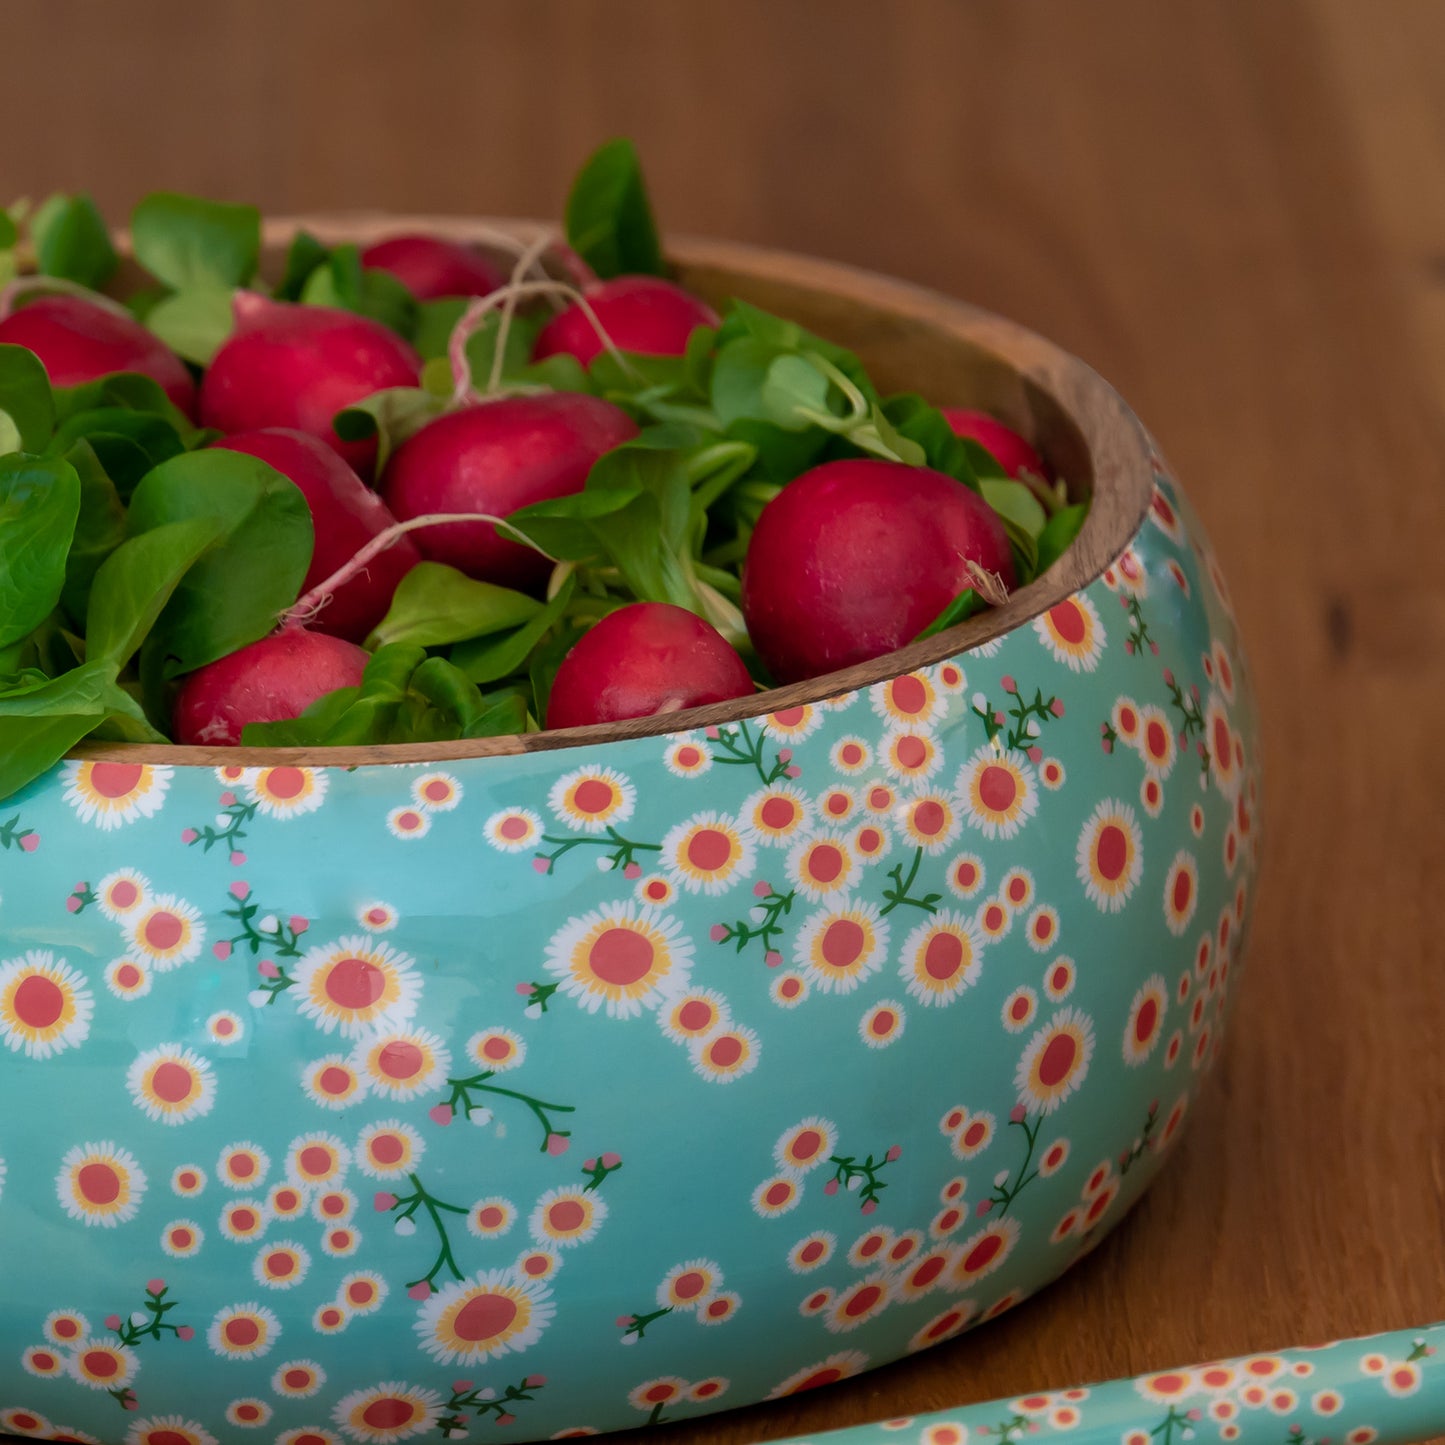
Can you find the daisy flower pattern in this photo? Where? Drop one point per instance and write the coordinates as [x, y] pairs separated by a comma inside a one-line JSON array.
[[387, 1412], [592, 799], [1110, 855], [288, 791], [1055, 1061], [513, 830], [624, 959], [165, 932], [100, 1184], [838, 948], [496, 1312], [355, 985], [707, 853], [118, 894], [772, 1015], [1072, 633], [997, 792], [45, 1005], [109, 795], [243, 1331], [171, 1084]]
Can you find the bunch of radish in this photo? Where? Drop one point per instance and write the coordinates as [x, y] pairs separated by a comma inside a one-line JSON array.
[[426, 490]]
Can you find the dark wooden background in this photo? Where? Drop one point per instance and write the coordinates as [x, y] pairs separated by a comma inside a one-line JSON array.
[[1236, 212]]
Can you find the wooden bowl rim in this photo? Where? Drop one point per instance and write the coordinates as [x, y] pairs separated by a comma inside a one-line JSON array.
[[1123, 485]]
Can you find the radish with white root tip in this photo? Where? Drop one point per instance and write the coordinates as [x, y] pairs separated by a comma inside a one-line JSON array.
[[855, 558], [290, 365], [489, 459], [82, 337], [347, 515]]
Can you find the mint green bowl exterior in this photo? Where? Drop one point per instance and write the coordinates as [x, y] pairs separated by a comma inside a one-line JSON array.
[[621, 1082]]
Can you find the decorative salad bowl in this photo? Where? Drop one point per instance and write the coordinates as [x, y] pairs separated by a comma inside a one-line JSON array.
[[589, 1079]]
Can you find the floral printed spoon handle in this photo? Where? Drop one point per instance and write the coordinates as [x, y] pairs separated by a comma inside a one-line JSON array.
[[1384, 1389]]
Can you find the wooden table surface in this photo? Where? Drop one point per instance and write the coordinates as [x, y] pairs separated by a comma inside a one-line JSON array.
[[1236, 212]]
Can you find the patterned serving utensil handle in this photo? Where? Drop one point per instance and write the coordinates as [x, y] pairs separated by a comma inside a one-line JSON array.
[[1386, 1389]]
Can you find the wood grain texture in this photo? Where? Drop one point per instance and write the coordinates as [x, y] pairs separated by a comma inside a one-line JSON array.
[[1214, 206]]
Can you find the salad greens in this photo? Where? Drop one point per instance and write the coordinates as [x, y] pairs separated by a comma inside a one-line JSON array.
[[131, 554]]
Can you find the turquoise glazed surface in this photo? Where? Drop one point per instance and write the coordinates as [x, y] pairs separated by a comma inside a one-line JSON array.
[[1378, 1390], [585, 1088]]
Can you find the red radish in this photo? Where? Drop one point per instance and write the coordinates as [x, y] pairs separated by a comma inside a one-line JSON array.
[[290, 365], [78, 341], [640, 313], [493, 458], [856, 558], [645, 658], [278, 677], [347, 515], [432, 267], [1007, 447]]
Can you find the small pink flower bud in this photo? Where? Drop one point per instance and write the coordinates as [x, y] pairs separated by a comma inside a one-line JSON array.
[[112, 1322], [440, 1114], [1036, 755], [227, 798], [1057, 707], [222, 950], [711, 734], [831, 1187], [298, 923], [589, 1165], [524, 989], [718, 932], [129, 1403], [1017, 1114], [420, 1290], [72, 904], [240, 890], [383, 1200], [189, 835], [773, 958], [540, 865], [1108, 746], [535, 1382], [185, 1332], [557, 1144], [460, 1387], [626, 1321], [611, 1160], [793, 771], [632, 870], [267, 969], [895, 1152], [785, 755], [983, 1207], [155, 1286], [761, 889], [1168, 677], [869, 1205], [506, 1419], [1007, 683], [238, 860], [30, 842]]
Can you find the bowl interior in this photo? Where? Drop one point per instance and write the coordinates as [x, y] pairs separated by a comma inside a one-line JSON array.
[[910, 339]]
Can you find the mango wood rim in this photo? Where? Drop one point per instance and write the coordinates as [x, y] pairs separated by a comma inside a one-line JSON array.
[[1122, 481]]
